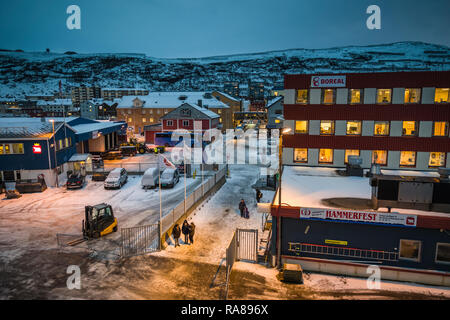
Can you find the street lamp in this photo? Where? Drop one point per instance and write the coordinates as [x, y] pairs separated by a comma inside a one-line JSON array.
[[280, 162], [54, 149]]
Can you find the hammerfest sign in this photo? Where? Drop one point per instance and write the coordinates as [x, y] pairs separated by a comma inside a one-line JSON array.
[[359, 216]]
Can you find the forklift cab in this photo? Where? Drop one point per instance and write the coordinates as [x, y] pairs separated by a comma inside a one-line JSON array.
[[99, 221]]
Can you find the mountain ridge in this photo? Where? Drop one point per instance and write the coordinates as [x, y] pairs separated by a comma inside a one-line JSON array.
[[26, 73]]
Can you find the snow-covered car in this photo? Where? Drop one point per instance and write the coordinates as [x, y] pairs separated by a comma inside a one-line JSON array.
[[116, 178], [150, 178], [170, 177]]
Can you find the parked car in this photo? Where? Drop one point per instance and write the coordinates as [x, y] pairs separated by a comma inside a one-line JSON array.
[[170, 177], [75, 181], [116, 178], [112, 155], [128, 150], [150, 178]]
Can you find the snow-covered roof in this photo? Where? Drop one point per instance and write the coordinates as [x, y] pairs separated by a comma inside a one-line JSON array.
[[227, 96], [308, 186], [95, 126], [171, 100], [27, 128], [274, 100], [56, 102], [208, 113], [79, 157]]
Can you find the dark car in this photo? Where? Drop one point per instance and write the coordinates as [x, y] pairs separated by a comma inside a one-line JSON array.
[[128, 150], [112, 155], [75, 181]]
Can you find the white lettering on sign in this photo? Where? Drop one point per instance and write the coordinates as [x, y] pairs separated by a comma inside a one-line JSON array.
[[328, 81], [359, 216]]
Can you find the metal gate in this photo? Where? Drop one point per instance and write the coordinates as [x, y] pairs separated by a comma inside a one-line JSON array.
[[139, 240], [247, 244]]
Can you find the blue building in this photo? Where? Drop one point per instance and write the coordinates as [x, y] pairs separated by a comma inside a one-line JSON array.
[[33, 146]]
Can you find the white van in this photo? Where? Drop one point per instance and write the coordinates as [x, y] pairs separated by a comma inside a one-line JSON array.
[[150, 178]]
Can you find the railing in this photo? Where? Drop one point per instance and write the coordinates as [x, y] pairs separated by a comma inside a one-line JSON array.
[[139, 240], [343, 252], [175, 214]]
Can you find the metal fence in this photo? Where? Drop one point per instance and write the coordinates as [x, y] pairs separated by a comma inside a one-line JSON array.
[[247, 244], [243, 246], [175, 214], [139, 240]]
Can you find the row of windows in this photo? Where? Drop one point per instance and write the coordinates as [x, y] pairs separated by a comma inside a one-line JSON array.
[[380, 157], [412, 250], [381, 128], [63, 143], [383, 96], [11, 148]]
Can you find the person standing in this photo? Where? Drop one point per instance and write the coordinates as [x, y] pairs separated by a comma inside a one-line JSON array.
[[258, 195], [176, 231], [191, 232], [242, 207], [185, 230]]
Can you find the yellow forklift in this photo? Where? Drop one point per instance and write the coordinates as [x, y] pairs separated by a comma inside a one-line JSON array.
[[140, 146], [99, 221]]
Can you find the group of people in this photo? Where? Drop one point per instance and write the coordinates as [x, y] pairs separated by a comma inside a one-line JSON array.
[[188, 231], [243, 207]]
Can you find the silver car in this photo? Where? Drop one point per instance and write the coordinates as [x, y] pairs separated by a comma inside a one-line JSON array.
[[116, 178], [170, 177]]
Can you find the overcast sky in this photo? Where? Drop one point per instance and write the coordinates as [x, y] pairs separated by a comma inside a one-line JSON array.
[[198, 28]]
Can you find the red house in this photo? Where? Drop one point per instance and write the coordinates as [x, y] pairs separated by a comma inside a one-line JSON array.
[[184, 116]]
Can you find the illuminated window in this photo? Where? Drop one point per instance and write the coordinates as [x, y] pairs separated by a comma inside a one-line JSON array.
[[7, 149], [302, 96], [301, 155], [1, 148], [412, 95], [353, 127], [381, 128], [130, 119], [277, 121], [408, 158], [441, 95], [442, 253], [437, 159], [60, 144], [410, 249], [151, 119], [220, 120], [355, 96], [440, 129], [384, 96], [219, 111], [66, 142], [350, 153], [144, 120], [379, 157], [328, 96], [409, 128], [326, 156], [326, 127], [17, 148], [301, 126]]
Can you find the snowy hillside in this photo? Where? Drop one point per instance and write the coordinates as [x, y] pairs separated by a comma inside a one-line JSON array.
[[39, 73]]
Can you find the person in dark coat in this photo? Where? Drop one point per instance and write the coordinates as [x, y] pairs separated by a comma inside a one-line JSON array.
[[185, 230], [242, 207], [246, 213], [258, 195], [176, 231], [191, 232]]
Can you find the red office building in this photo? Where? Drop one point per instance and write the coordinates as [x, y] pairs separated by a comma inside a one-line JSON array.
[[399, 120]]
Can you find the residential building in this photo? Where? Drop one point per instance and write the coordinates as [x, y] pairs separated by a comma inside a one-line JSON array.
[[398, 120], [117, 93], [231, 88], [275, 113], [83, 93], [139, 111], [185, 115]]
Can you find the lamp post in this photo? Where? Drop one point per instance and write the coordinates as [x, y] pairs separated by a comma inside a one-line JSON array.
[[160, 203], [280, 162], [54, 149]]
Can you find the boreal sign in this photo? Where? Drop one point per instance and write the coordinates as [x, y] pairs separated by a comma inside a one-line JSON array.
[[328, 81]]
